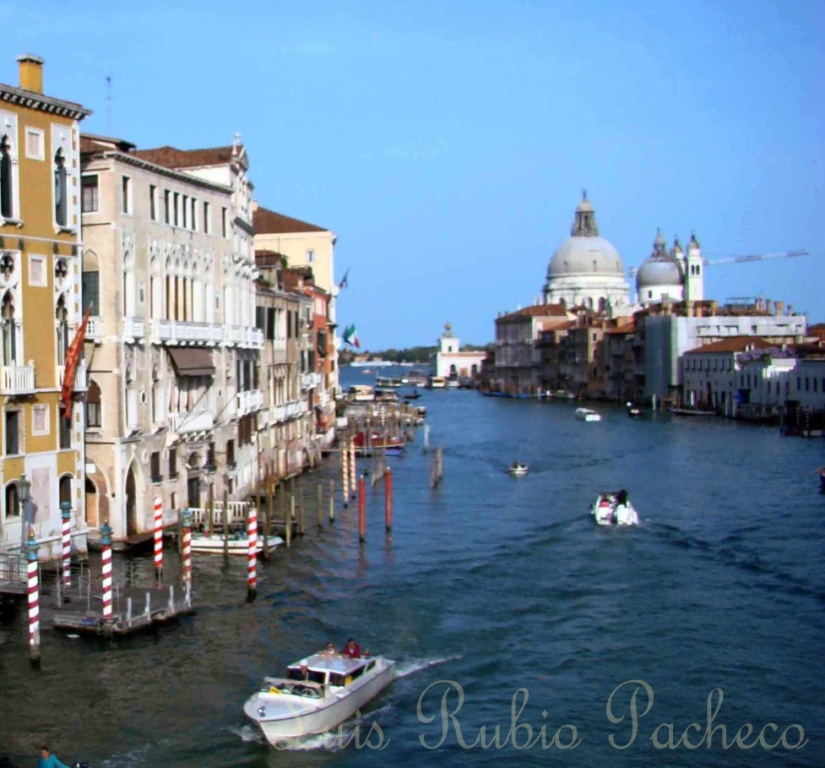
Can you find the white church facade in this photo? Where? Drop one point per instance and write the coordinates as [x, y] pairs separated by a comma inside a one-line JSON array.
[[451, 362]]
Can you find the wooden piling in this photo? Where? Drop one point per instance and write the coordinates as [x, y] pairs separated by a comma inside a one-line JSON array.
[[320, 506], [344, 470], [269, 490], [226, 524], [388, 499], [288, 521], [362, 509], [352, 468], [332, 501]]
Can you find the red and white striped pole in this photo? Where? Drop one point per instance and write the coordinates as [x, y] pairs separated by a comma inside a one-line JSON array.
[[158, 509], [252, 563], [187, 554], [34, 598], [66, 515], [106, 569]]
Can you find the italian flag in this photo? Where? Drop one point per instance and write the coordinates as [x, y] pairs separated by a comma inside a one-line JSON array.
[[351, 335]]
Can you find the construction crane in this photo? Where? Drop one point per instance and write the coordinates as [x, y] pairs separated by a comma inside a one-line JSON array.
[[631, 271]]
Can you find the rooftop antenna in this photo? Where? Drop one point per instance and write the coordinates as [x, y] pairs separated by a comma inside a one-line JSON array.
[[108, 105]]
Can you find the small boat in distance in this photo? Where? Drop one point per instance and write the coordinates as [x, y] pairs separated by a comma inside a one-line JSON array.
[[316, 695], [414, 395], [237, 543], [518, 469], [633, 410], [436, 382], [587, 414]]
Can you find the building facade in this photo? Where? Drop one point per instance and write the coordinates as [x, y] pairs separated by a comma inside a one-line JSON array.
[[168, 270], [40, 235], [452, 362]]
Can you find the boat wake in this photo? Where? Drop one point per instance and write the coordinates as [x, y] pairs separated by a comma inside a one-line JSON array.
[[416, 665]]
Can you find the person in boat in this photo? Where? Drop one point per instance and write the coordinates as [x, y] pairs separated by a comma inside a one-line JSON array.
[[329, 650], [624, 514], [48, 760], [303, 671], [604, 511], [621, 498], [351, 650]]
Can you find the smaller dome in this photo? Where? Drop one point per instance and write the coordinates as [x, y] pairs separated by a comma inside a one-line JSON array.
[[659, 272]]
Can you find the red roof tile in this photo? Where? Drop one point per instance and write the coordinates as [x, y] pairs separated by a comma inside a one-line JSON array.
[[170, 157], [536, 310], [732, 344], [268, 222]]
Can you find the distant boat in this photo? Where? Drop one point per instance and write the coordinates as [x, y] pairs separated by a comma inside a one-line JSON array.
[[518, 469], [691, 412], [587, 414], [436, 382], [633, 410], [414, 395]]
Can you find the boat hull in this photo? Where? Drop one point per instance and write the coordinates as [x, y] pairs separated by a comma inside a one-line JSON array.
[[214, 545], [606, 515], [319, 716], [518, 471], [585, 414]]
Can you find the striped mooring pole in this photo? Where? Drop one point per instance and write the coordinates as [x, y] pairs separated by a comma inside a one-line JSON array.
[[66, 515], [34, 598], [158, 509], [186, 551], [106, 569], [252, 562], [362, 508]]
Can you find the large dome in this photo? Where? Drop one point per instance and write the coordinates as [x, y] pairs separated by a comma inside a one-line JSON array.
[[655, 272], [585, 256]]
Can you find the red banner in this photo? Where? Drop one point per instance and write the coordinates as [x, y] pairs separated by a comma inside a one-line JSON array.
[[72, 361]]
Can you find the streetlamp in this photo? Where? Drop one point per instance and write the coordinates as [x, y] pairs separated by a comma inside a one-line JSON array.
[[23, 497]]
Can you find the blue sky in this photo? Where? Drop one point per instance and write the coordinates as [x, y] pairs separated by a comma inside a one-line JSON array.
[[447, 144]]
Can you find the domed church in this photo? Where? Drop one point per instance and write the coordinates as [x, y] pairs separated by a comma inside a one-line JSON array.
[[586, 270], [673, 276]]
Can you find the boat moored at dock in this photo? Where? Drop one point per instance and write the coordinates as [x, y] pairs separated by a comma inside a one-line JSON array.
[[237, 543], [317, 694]]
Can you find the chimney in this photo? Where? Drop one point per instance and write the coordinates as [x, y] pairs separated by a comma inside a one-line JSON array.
[[790, 309], [31, 72], [778, 308]]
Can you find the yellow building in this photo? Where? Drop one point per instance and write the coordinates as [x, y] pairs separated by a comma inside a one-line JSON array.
[[39, 311]]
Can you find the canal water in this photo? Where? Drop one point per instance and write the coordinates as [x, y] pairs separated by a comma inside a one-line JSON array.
[[505, 606]]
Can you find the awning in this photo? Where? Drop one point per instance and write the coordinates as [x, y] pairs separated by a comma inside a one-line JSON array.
[[192, 361]]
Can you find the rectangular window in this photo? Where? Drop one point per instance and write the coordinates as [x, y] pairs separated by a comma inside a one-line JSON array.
[[175, 208], [126, 194], [12, 433], [807, 384], [193, 214], [210, 457], [89, 201], [167, 206], [153, 202], [230, 453], [310, 256], [65, 428], [173, 462], [184, 219], [35, 144], [40, 420], [207, 224], [224, 222], [154, 467]]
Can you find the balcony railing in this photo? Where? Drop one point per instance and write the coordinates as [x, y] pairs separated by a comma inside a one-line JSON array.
[[191, 421], [94, 329], [134, 328], [179, 332], [17, 379], [287, 411], [310, 380], [250, 401], [243, 336]]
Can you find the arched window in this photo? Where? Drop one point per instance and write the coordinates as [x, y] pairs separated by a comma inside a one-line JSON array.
[[61, 317], [93, 415], [6, 188], [9, 325], [66, 489], [12, 500], [61, 204]]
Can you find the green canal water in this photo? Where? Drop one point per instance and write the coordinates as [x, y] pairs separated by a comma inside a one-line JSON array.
[[505, 606]]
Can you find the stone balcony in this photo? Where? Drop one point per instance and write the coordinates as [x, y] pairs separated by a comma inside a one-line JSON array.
[[80, 377], [287, 411], [134, 329], [310, 380], [94, 329], [243, 336], [201, 420], [178, 332], [250, 401], [16, 379]]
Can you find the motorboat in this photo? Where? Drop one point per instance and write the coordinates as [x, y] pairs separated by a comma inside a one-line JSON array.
[[367, 443], [436, 382], [237, 543], [518, 469], [633, 410], [317, 694], [587, 414], [607, 510]]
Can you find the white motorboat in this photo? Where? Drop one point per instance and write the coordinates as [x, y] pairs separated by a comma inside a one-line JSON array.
[[518, 469], [607, 511], [236, 544], [330, 690], [586, 414], [633, 410]]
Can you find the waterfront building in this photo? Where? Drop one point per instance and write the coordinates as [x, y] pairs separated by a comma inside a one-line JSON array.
[[40, 235], [453, 362], [304, 245], [586, 269], [285, 427], [168, 270], [671, 276], [517, 356]]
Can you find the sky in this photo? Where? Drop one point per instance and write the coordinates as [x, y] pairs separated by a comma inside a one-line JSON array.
[[447, 143]]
